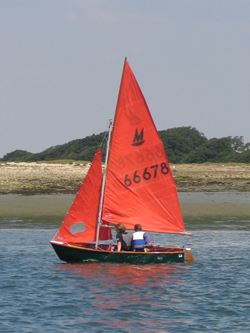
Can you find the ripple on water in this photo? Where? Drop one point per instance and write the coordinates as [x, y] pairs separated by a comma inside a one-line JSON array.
[[39, 293]]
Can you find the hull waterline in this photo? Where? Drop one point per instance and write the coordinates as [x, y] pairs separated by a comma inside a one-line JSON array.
[[77, 254]]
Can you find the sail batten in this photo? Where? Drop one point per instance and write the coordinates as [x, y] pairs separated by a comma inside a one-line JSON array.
[[139, 184]]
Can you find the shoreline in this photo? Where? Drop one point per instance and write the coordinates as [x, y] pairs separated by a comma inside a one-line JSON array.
[[66, 178], [216, 206]]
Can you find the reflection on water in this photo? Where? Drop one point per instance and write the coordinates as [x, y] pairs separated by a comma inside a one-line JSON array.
[[129, 292], [40, 294], [124, 274]]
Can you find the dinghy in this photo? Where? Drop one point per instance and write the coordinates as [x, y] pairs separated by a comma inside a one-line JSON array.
[[136, 186]]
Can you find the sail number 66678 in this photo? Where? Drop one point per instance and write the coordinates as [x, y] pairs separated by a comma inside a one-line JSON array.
[[147, 174]]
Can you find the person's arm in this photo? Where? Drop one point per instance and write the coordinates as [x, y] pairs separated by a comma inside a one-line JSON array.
[[146, 239], [119, 246], [119, 242]]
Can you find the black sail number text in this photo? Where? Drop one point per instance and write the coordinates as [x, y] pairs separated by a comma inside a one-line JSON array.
[[148, 173]]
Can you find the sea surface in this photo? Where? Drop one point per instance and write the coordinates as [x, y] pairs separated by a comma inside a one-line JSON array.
[[39, 293]]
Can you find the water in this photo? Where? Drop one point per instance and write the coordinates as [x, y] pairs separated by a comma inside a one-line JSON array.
[[38, 293]]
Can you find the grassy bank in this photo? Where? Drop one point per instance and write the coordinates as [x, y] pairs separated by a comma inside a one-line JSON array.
[[217, 210], [39, 178]]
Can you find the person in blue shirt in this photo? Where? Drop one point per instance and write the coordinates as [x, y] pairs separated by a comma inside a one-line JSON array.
[[140, 239]]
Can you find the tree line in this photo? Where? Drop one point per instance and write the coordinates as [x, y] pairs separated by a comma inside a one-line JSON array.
[[182, 144]]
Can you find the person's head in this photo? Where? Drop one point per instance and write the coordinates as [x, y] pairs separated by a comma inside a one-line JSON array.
[[120, 228], [137, 227]]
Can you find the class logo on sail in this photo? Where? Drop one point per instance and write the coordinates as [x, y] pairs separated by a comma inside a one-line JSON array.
[[138, 138]]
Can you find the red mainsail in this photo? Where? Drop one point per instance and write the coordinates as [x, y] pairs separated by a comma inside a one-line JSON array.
[[139, 186], [79, 225]]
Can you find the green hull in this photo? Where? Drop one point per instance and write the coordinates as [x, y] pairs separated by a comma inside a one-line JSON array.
[[76, 254]]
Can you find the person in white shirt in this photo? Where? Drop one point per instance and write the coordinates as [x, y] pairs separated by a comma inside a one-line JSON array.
[[140, 239]]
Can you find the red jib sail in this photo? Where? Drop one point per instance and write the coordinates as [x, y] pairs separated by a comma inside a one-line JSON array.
[[79, 225], [139, 187]]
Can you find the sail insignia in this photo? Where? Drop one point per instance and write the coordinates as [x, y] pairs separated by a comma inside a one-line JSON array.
[[138, 138]]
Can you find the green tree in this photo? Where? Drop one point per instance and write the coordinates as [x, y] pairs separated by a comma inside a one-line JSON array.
[[179, 142]]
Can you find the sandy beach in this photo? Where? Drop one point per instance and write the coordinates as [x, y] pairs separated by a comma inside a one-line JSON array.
[[43, 178]]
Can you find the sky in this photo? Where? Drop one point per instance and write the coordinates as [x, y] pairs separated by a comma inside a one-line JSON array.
[[61, 63]]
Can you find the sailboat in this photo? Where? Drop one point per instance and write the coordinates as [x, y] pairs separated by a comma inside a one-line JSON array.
[[136, 186]]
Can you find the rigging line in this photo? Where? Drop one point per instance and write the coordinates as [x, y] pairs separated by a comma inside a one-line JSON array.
[[105, 137], [103, 185]]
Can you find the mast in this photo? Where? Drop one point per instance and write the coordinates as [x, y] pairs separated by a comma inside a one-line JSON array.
[[99, 222]]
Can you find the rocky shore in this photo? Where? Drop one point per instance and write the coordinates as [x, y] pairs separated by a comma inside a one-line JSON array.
[[41, 177]]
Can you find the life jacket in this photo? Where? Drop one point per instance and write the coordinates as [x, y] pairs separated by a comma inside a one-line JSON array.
[[126, 241], [138, 240]]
